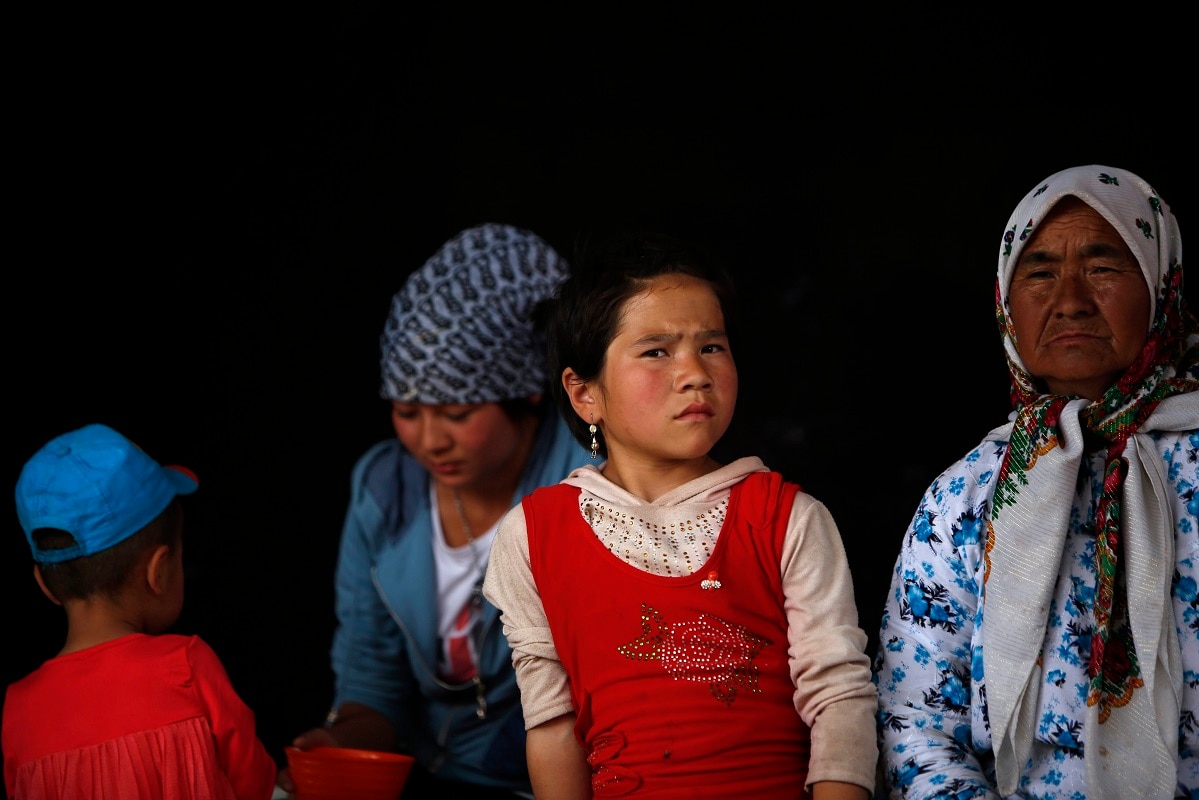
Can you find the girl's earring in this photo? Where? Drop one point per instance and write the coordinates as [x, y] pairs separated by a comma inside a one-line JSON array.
[[594, 442]]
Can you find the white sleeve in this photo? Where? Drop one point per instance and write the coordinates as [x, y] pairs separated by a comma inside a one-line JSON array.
[[834, 691], [509, 586]]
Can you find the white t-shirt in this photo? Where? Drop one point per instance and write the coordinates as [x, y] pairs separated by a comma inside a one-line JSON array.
[[459, 582]]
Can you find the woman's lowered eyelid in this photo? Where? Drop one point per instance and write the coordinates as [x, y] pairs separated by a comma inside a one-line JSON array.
[[456, 413], [403, 411]]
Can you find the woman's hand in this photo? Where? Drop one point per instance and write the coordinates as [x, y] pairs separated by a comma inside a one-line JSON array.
[[317, 737], [354, 725]]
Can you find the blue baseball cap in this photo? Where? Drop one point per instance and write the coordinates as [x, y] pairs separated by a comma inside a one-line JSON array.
[[97, 486]]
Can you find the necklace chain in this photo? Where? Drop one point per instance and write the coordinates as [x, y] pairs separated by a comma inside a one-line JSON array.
[[470, 534], [476, 595], [474, 547]]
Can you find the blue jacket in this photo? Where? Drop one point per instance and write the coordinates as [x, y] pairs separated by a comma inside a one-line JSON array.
[[385, 648]]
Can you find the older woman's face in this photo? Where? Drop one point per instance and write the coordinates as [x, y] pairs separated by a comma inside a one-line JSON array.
[[1078, 302]]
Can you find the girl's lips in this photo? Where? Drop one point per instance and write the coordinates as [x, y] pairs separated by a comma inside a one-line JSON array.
[[696, 411], [446, 468]]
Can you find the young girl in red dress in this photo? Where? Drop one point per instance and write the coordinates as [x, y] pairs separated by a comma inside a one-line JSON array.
[[681, 628]]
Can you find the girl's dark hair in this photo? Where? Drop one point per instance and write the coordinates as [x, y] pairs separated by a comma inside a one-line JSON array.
[[105, 573], [607, 270], [517, 408]]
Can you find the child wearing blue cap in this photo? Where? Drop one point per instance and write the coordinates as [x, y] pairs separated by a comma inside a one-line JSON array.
[[123, 709]]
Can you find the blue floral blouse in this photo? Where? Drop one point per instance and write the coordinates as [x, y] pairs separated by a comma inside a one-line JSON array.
[[935, 733]]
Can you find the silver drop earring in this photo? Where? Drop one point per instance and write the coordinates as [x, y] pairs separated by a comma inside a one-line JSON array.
[[594, 442]]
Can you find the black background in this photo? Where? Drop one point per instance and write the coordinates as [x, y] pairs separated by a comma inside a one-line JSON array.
[[211, 212]]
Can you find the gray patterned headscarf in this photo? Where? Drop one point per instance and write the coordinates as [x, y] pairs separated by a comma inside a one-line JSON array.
[[461, 329]]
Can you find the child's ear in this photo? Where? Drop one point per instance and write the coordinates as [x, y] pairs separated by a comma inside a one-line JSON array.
[[579, 392], [158, 569], [37, 576]]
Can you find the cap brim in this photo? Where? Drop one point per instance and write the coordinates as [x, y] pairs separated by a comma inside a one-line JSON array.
[[182, 479]]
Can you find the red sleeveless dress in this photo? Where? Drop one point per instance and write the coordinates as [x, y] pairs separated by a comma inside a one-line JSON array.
[[681, 691]]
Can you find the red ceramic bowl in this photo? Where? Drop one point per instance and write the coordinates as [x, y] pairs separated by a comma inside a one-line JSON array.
[[339, 773]]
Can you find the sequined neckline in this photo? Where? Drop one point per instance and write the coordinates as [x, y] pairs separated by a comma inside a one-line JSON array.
[[675, 548]]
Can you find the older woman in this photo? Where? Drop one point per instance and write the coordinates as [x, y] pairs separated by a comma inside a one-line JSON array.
[[1040, 637]]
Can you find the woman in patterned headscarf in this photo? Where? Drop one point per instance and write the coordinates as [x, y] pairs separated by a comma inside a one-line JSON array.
[[420, 660], [1040, 638]]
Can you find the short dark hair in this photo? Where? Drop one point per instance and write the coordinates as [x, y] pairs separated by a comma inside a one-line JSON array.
[[608, 269], [105, 573]]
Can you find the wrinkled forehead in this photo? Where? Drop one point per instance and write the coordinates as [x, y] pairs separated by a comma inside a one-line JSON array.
[[1074, 218], [1121, 198]]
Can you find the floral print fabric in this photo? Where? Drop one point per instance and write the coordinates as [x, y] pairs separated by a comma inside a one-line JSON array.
[[936, 737]]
